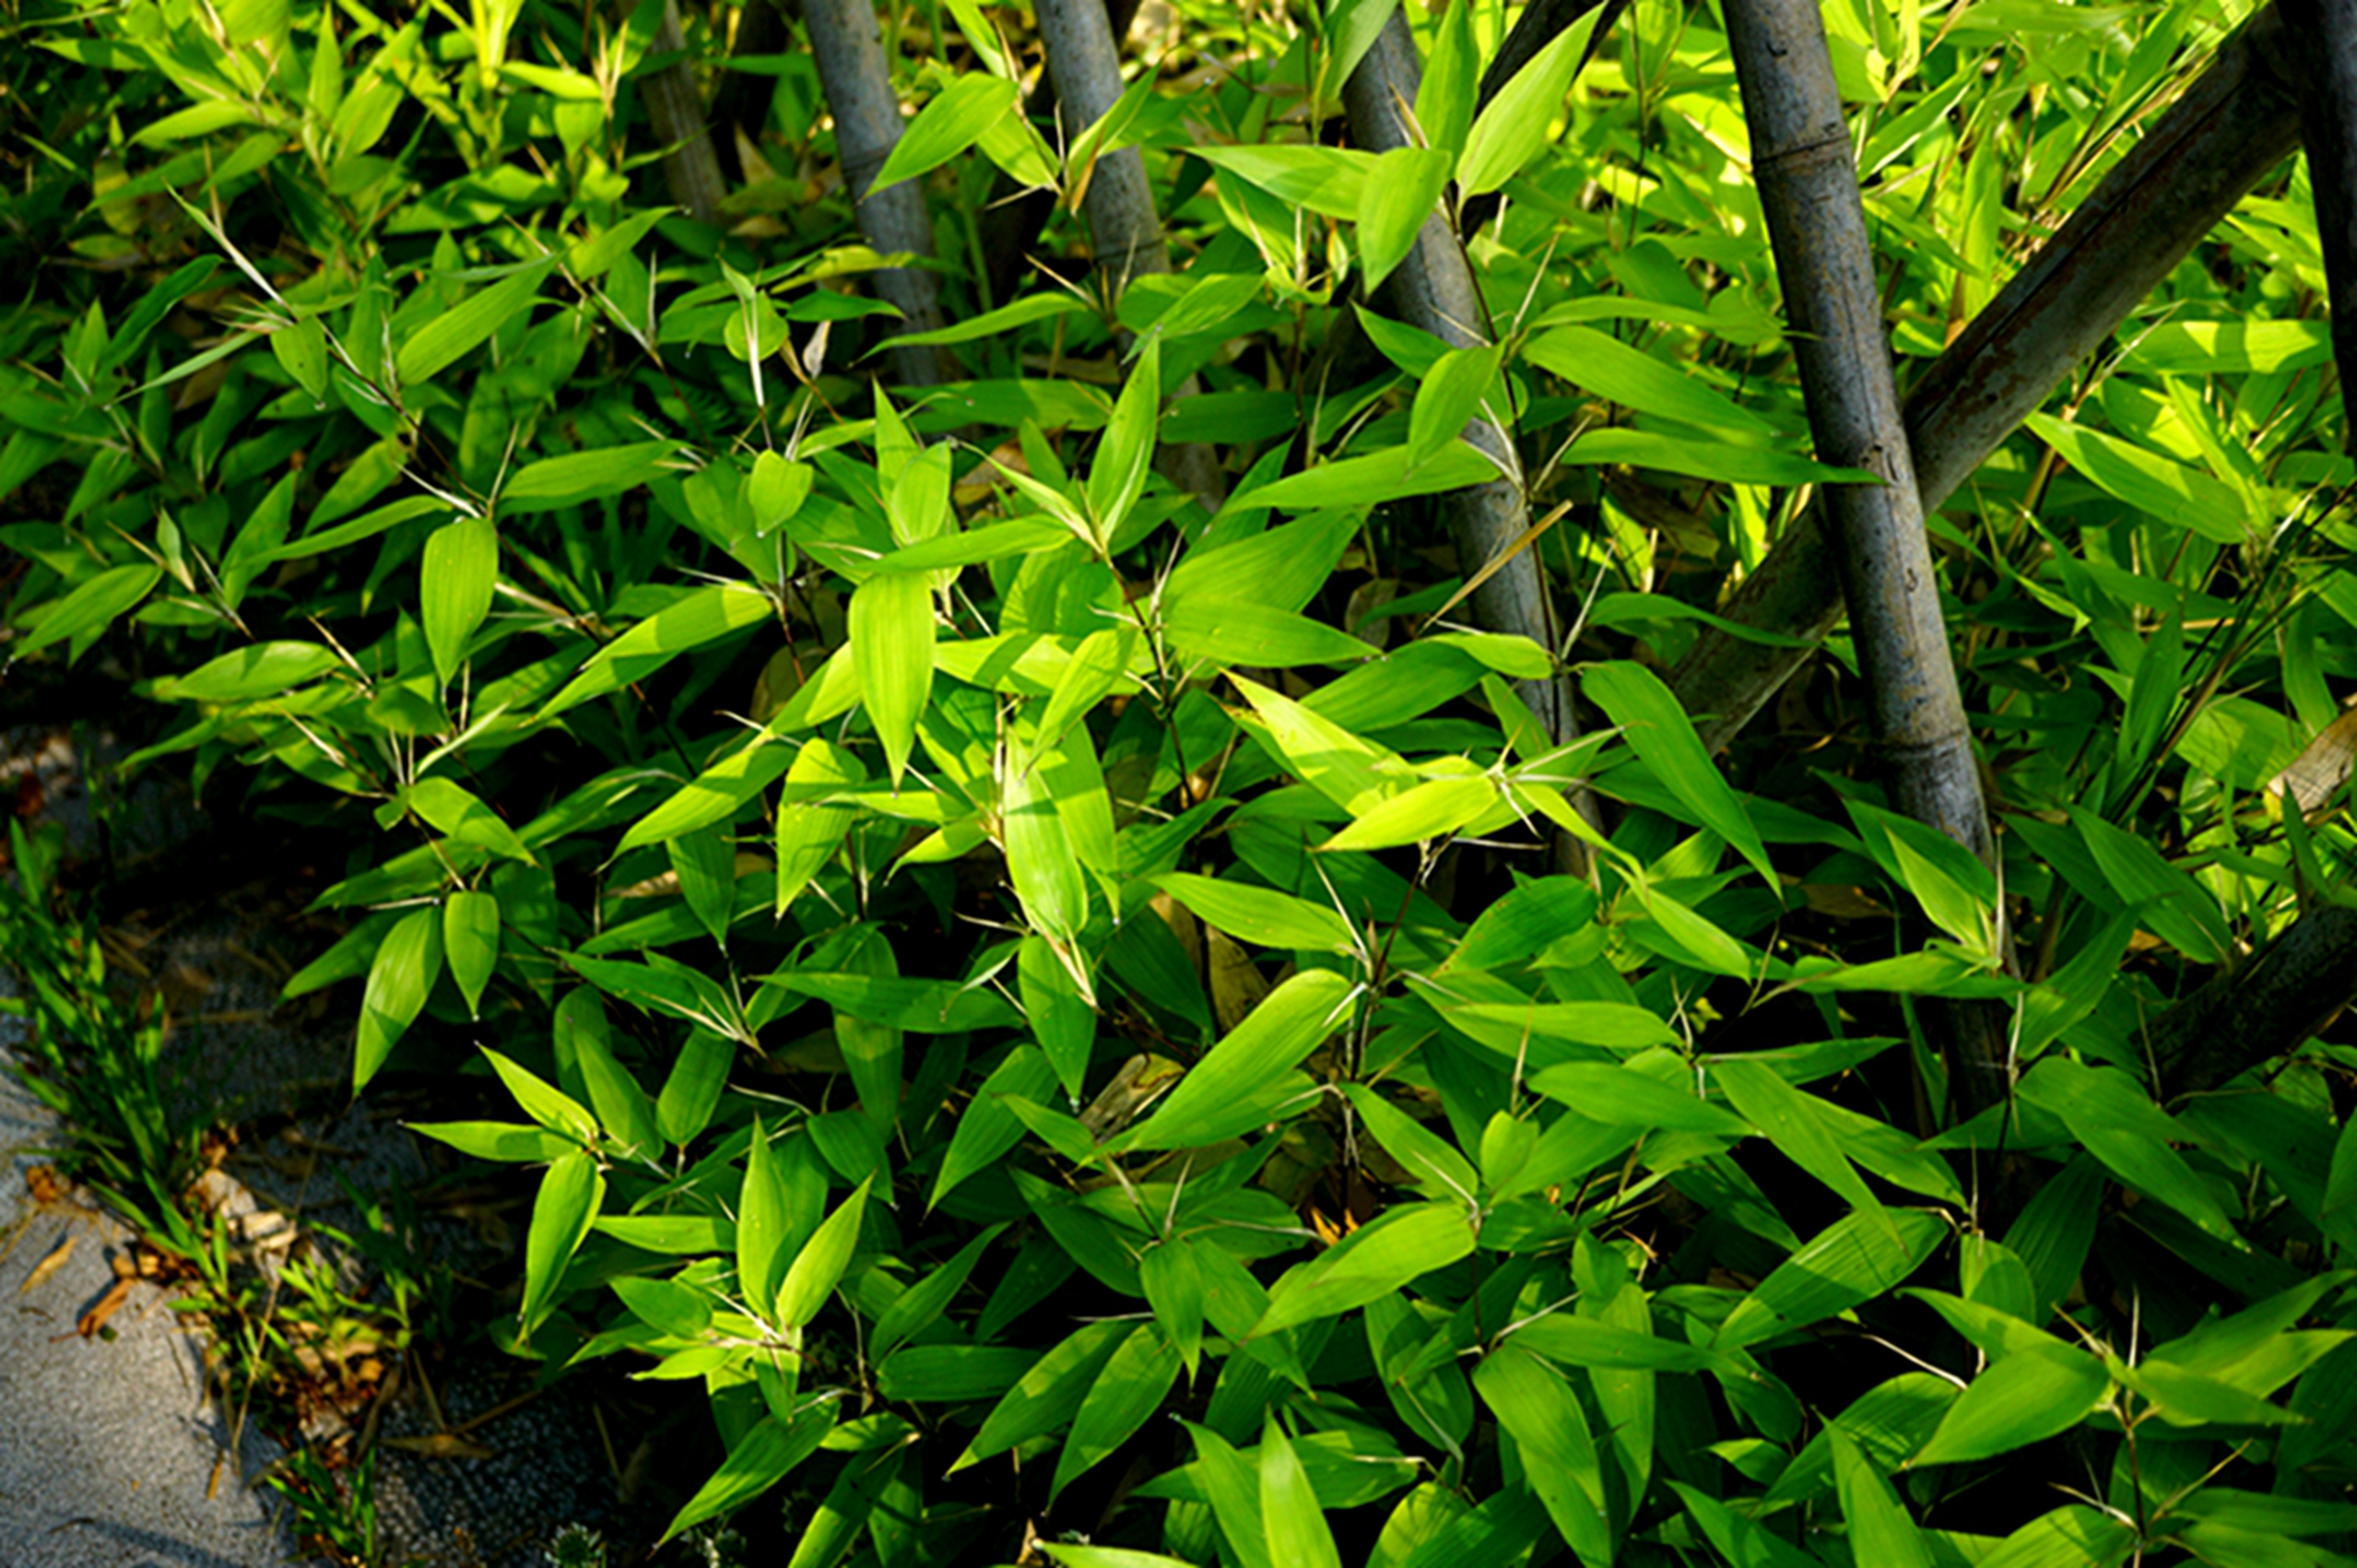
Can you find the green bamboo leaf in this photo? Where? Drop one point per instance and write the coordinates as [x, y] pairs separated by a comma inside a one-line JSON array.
[[1257, 635], [1542, 1414], [1446, 99], [1329, 180], [470, 941], [1857, 1258], [1049, 1395], [450, 334], [1635, 380], [952, 1374], [921, 1304], [705, 862], [703, 617], [1023, 312], [1297, 1533], [1402, 191], [1261, 915], [691, 1092], [987, 1129], [301, 349], [90, 609], [2118, 1123], [1281, 567], [1438, 1167], [1658, 730], [1135, 1380], [1576, 1341], [763, 1224], [1881, 1531], [2155, 485], [511, 1142], [678, 1234], [622, 1107], [1519, 119], [568, 1198], [819, 1267], [1041, 859], [892, 643], [869, 1013], [956, 119], [451, 808], [405, 968], [665, 1306], [811, 828], [1108, 1557], [2028, 1397], [260, 669], [1063, 1018], [1434, 808], [1398, 1246], [578, 476], [757, 1461], [543, 1102], [1389, 475], [1713, 460], [1448, 398], [1124, 453], [1613, 1026], [1228, 1092], [1625, 1097], [1353, 772], [1790, 1119]]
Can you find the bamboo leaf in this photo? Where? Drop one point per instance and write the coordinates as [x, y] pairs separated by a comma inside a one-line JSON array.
[[703, 617], [1228, 1092], [451, 334], [892, 644], [1657, 729], [956, 119], [1398, 1246], [1519, 119], [403, 971]]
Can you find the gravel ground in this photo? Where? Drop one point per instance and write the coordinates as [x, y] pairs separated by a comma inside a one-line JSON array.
[[109, 1455]]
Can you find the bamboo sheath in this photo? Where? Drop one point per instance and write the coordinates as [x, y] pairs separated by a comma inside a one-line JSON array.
[[1124, 231], [2236, 122], [848, 43], [1433, 290], [1807, 181]]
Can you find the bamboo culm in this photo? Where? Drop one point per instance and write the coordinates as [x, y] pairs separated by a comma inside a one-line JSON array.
[[846, 41], [2236, 122], [1809, 194], [1125, 232], [675, 110], [1433, 290]]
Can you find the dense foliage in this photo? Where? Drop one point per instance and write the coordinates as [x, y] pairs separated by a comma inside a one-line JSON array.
[[1077, 1018]]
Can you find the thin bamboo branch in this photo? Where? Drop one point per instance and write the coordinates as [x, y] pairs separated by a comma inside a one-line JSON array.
[[848, 43], [2236, 123], [2328, 115], [675, 109], [1433, 290], [1125, 232], [1807, 180], [2263, 1008]]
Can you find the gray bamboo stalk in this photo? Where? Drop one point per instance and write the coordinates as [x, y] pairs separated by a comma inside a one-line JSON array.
[[2262, 1008], [1807, 180], [2328, 114], [675, 109], [1012, 220], [1124, 231], [848, 43], [2236, 122], [1433, 290]]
